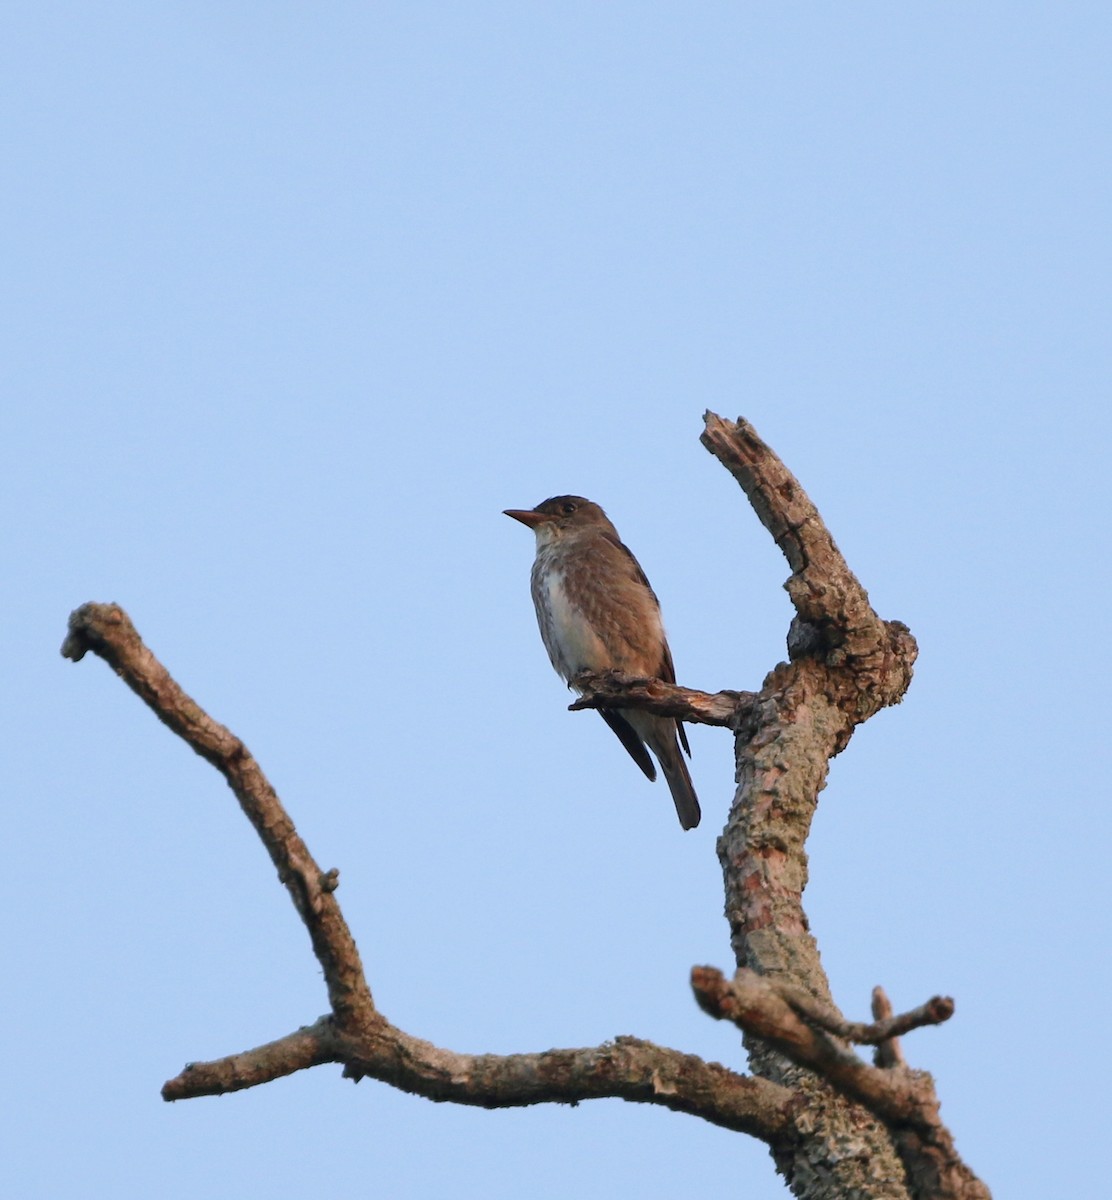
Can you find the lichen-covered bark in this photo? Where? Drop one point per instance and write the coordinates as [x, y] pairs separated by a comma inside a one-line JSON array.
[[846, 664], [782, 759]]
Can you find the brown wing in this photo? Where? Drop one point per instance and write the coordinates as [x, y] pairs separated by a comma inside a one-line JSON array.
[[666, 670], [629, 739], [668, 674], [638, 574]]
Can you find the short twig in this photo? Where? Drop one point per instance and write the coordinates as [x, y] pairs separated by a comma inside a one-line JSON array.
[[936, 1010], [613, 689]]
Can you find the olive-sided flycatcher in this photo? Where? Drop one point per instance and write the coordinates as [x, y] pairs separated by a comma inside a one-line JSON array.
[[597, 612]]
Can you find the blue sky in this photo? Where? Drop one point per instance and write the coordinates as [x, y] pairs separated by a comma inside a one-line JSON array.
[[298, 300]]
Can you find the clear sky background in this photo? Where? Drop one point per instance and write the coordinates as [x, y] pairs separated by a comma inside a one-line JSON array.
[[297, 299]]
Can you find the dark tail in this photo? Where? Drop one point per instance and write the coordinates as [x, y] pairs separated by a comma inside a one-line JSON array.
[[679, 783], [660, 735]]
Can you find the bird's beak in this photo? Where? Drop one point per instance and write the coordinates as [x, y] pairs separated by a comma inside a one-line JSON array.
[[527, 516]]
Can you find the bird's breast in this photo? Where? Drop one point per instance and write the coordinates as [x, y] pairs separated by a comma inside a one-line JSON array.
[[572, 641]]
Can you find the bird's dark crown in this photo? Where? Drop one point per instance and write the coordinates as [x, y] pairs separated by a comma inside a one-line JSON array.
[[573, 510]]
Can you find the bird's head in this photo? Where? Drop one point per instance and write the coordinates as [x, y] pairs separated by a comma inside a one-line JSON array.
[[559, 516]]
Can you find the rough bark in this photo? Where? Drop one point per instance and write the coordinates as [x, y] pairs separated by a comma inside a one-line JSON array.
[[846, 663], [837, 1126]]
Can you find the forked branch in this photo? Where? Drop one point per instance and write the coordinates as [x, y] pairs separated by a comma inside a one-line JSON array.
[[810, 1096], [354, 1033]]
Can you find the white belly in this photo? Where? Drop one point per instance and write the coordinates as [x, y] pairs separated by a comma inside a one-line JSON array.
[[572, 644]]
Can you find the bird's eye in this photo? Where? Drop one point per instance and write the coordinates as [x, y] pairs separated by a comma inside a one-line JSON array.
[[569, 508]]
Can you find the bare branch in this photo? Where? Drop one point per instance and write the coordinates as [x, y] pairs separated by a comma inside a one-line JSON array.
[[355, 1034], [307, 1047], [614, 689], [756, 1006], [888, 1052], [822, 588], [107, 631], [936, 1010], [626, 1068], [827, 595], [846, 664], [904, 1100]]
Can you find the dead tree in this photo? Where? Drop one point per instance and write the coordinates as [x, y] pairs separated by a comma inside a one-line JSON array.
[[836, 1125]]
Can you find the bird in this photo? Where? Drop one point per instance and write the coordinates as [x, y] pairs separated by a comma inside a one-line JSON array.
[[597, 612]]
